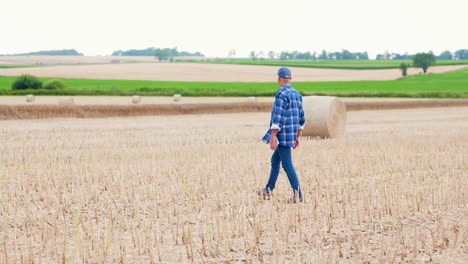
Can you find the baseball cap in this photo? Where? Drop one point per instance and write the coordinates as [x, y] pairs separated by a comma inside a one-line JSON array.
[[284, 73]]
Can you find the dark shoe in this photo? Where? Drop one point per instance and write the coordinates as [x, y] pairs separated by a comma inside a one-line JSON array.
[[295, 199], [265, 194]]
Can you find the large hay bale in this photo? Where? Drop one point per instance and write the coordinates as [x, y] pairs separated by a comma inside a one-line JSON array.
[[30, 98], [136, 99], [177, 97], [67, 101], [325, 116]]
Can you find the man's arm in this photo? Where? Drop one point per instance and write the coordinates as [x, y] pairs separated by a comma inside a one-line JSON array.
[[278, 111]]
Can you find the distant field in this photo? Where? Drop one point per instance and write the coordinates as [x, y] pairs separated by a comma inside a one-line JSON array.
[[328, 64], [205, 72], [9, 61], [42, 60], [446, 85]]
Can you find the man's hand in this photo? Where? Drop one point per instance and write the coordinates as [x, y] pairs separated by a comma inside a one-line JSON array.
[[273, 143], [273, 139], [297, 143], [299, 134]]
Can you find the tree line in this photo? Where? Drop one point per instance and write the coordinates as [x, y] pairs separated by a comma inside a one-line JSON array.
[[161, 54], [297, 55], [344, 54], [461, 54], [64, 52]]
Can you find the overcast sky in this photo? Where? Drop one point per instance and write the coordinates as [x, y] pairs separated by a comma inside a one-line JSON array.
[[213, 27]]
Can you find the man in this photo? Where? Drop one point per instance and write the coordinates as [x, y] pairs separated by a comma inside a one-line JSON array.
[[286, 125]]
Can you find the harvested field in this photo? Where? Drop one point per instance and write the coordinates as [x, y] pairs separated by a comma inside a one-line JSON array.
[[210, 72], [183, 188], [91, 107]]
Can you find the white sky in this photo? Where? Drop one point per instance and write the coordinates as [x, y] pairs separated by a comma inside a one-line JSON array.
[[213, 27]]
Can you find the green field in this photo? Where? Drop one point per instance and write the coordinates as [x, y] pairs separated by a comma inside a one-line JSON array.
[[446, 85], [327, 64]]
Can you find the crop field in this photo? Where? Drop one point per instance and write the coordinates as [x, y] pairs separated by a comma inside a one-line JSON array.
[[171, 189], [453, 84], [327, 64]]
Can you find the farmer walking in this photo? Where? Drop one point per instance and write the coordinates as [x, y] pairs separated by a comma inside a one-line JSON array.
[[286, 125]]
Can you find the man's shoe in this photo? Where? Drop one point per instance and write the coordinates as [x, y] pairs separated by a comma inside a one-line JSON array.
[[295, 199], [265, 194]]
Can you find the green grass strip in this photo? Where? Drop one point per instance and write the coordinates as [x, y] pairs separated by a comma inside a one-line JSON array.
[[15, 66], [445, 85]]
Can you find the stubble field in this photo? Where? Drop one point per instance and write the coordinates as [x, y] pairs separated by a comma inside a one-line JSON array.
[[183, 188]]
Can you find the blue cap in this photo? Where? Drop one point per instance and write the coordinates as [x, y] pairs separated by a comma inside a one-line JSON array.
[[284, 73]]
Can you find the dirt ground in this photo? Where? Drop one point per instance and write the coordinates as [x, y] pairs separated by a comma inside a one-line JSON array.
[[209, 72], [126, 100], [183, 188]]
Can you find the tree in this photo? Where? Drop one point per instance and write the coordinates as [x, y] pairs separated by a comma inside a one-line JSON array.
[[271, 55], [26, 81], [364, 56], [284, 55], [323, 56], [304, 56], [405, 56], [461, 54], [404, 69], [446, 55], [346, 55], [261, 55], [253, 55], [424, 60], [162, 54]]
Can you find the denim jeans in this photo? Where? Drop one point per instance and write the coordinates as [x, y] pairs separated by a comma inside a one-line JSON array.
[[283, 154]]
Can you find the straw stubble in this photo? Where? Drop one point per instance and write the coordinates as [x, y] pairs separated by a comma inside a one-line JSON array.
[[183, 188]]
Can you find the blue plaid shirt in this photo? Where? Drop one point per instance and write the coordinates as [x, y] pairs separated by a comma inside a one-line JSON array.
[[287, 115]]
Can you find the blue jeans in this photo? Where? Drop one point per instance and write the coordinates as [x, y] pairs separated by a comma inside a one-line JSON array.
[[283, 154]]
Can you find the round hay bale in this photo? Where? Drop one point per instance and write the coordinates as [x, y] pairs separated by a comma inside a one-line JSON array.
[[252, 99], [30, 98], [67, 101], [136, 99], [177, 97], [325, 116]]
